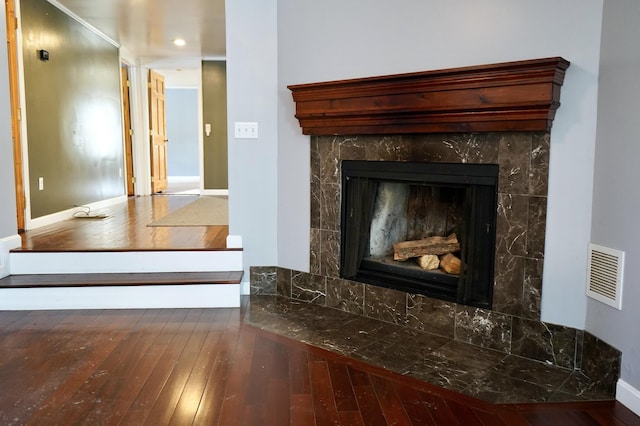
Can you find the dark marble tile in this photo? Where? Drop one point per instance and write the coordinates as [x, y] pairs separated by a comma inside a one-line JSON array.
[[283, 282], [484, 373], [263, 280], [344, 342], [537, 227], [330, 253], [330, 207], [532, 371], [532, 290], [498, 389], [316, 205], [387, 355], [514, 160], [549, 343], [385, 304], [432, 315], [583, 386], [345, 295], [308, 288], [419, 341], [454, 365], [456, 148], [465, 357], [314, 155], [480, 327], [512, 223], [601, 363], [508, 284], [539, 171], [388, 148], [314, 251], [579, 348], [353, 148], [328, 149], [440, 374]]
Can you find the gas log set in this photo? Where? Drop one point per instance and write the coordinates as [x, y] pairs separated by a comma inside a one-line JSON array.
[[431, 253]]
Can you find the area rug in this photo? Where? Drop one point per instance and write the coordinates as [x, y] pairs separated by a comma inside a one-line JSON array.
[[205, 211]]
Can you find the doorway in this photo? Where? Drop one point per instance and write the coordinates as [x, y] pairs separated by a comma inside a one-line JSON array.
[[183, 135]]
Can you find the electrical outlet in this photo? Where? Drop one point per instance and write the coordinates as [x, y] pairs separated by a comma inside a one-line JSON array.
[[40, 183], [245, 130]]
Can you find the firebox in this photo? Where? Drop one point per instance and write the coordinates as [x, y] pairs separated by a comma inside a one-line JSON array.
[[425, 228]]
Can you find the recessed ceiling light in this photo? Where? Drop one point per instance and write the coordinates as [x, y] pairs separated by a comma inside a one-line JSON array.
[[179, 42]]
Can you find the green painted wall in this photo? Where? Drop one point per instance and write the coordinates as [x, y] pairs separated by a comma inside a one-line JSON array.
[[214, 106], [73, 111]]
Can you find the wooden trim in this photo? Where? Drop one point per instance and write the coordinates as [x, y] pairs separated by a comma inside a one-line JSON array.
[[512, 96], [14, 88], [121, 279]]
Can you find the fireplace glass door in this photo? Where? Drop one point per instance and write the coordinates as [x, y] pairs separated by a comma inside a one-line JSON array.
[[426, 228]]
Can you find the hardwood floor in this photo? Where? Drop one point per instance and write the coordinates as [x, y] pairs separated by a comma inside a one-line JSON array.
[[205, 367], [126, 228]]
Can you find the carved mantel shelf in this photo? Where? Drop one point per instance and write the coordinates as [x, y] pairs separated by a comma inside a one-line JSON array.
[[511, 96]]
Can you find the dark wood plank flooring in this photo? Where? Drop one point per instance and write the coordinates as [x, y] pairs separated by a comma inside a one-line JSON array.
[[120, 279], [205, 367], [126, 228]]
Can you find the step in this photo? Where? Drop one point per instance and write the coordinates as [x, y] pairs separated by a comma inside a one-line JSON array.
[[126, 279], [216, 289], [74, 262]]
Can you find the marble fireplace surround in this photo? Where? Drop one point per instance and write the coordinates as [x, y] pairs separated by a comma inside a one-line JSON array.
[[520, 146]]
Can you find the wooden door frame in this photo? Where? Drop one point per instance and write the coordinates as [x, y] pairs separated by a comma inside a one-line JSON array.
[[127, 129], [14, 90]]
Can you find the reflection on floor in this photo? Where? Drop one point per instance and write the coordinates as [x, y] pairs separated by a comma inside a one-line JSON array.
[[481, 373], [182, 185]]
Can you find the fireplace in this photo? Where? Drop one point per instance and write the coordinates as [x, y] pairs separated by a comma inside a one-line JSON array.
[[394, 220], [499, 114]]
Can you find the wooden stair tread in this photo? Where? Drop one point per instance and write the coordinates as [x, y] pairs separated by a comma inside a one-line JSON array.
[[120, 279], [119, 250]]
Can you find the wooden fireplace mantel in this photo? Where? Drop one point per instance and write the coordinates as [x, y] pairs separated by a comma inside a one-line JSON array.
[[511, 96]]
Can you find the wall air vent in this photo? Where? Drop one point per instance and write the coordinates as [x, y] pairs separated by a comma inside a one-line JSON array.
[[604, 275]]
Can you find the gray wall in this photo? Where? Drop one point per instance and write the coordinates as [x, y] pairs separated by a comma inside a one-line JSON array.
[[73, 111], [415, 35], [182, 132], [616, 199], [214, 112], [252, 79]]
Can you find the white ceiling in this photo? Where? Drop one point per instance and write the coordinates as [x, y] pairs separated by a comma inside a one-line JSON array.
[[147, 28]]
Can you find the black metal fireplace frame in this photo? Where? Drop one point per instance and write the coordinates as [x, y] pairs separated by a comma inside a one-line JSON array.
[[474, 285]]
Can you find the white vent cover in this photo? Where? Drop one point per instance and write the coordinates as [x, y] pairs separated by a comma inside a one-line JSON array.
[[604, 275]]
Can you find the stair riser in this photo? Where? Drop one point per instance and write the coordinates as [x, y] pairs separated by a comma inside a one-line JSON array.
[[138, 297], [123, 262]]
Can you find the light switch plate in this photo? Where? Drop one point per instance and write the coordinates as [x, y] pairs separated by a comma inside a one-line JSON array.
[[245, 130]]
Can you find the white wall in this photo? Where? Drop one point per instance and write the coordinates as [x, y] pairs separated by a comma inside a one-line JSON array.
[[334, 39], [252, 96], [616, 200]]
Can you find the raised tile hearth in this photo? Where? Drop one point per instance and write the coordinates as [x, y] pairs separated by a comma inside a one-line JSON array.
[[496, 114], [486, 374]]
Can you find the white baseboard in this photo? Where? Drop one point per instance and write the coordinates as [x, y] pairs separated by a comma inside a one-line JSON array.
[[68, 214], [215, 192], [6, 245], [628, 396], [133, 297]]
